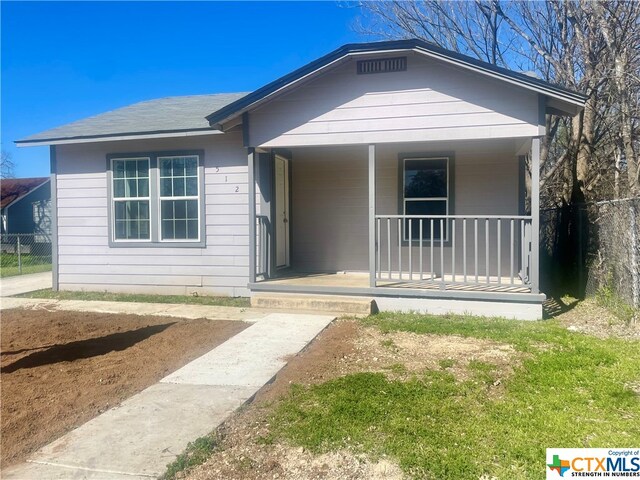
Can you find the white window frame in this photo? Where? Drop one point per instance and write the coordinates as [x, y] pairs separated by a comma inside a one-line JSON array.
[[154, 199], [115, 199], [198, 198], [405, 235]]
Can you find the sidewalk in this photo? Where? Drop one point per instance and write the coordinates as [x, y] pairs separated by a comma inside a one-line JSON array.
[[177, 310], [137, 439], [25, 283]]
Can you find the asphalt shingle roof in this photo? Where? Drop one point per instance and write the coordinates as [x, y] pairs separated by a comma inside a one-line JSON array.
[[183, 113], [13, 188]]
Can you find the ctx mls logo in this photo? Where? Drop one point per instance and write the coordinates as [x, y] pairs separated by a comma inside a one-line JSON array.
[[560, 466], [567, 463]]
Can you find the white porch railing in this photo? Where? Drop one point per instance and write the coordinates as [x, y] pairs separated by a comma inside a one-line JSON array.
[[465, 250]]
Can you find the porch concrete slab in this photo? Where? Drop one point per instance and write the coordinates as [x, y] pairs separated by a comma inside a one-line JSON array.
[[361, 280], [25, 283], [146, 432], [318, 303], [434, 306], [255, 355], [340, 279]]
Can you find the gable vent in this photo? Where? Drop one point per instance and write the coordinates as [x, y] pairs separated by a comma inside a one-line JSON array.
[[382, 65]]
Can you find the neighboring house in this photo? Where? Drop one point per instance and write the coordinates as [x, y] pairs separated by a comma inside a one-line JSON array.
[[25, 204], [391, 170]]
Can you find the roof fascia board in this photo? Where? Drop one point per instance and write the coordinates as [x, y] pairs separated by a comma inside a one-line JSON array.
[[114, 138], [534, 86], [6, 207]]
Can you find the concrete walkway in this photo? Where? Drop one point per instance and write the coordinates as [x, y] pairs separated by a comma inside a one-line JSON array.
[[137, 439], [25, 283], [178, 310]]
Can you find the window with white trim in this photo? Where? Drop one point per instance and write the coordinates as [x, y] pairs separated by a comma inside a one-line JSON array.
[[179, 211], [131, 199], [426, 193], [156, 198]]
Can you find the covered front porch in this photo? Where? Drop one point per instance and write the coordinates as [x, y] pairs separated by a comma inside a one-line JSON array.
[[406, 162], [352, 220], [343, 281]]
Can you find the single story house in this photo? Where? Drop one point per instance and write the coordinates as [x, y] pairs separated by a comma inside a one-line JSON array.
[[388, 170], [25, 206]]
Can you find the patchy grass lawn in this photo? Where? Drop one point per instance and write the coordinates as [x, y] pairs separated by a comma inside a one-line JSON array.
[[29, 264], [607, 298], [568, 390], [26, 269], [131, 297], [196, 453], [414, 396]]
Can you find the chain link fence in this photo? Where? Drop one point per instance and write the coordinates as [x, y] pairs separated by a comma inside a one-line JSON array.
[[615, 264], [24, 253], [588, 248], [566, 240]]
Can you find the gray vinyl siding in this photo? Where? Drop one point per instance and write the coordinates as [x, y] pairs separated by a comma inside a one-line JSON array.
[[87, 262], [327, 125], [329, 209], [430, 101], [330, 200]]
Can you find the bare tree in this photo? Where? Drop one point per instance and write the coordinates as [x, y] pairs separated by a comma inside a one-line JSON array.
[[619, 22], [7, 166], [591, 47], [473, 28]]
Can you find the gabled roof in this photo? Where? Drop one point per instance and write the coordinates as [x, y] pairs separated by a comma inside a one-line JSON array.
[[192, 115], [13, 189], [164, 115], [526, 81]]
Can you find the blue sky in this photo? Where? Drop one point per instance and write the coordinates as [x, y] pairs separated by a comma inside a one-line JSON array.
[[62, 61]]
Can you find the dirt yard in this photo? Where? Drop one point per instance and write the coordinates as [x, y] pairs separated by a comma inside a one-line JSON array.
[[592, 319], [60, 369]]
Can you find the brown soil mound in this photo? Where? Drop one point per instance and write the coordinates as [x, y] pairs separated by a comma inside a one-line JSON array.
[[60, 369]]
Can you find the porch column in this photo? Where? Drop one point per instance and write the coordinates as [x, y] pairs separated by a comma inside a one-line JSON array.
[[252, 214], [372, 215], [54, 219], [535, 215]]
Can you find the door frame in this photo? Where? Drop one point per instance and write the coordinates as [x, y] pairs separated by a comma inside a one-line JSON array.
[[285, 155]]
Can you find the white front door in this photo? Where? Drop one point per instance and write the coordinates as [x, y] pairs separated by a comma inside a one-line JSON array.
[[282, 211]]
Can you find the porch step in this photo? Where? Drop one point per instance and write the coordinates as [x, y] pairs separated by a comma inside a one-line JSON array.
[[323, 303]]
